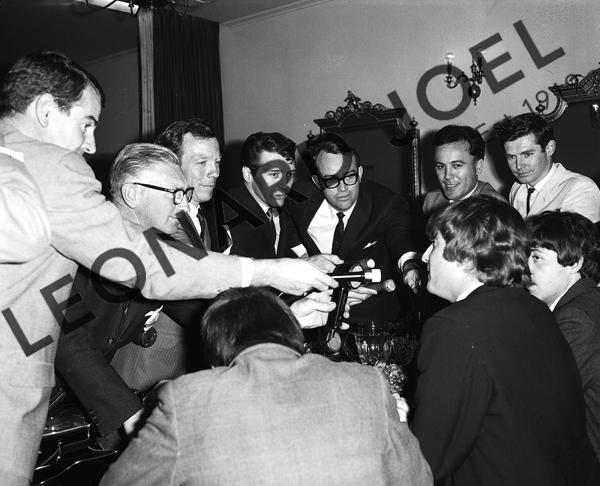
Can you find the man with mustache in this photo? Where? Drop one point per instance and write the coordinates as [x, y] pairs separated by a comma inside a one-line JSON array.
[[541, 184]]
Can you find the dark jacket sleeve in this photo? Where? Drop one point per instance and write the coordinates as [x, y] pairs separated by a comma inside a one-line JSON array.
[[81, 360]]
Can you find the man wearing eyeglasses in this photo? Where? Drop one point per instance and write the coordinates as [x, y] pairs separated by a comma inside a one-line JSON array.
[[50, 110], [356, 219], [149, 189]]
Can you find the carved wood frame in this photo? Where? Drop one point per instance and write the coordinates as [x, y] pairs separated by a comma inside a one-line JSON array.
[[357, 114]]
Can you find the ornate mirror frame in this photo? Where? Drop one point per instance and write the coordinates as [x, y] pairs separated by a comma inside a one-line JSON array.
[[577, 89]]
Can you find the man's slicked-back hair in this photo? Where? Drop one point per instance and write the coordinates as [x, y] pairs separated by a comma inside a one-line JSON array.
[[172, 136], [266, 142], [243, 317], [461, 133], [134, 159], [329, 143], [486, 233], [525, 124], [571, 235], [45, 72]]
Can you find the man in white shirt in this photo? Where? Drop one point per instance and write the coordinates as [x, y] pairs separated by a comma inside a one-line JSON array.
[[541, 184], [355, 220]]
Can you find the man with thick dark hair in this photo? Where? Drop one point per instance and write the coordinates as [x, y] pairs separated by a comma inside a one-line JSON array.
[[541, 184], [51, 108], [270, 414], [268, 171], [564, 272], [458, 161], [498, 397], [357, 219]]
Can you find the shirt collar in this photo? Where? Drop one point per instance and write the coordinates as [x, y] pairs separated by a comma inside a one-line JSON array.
[[546, 178], [465, 196], [470, 288], [11, 153], [333, 212]]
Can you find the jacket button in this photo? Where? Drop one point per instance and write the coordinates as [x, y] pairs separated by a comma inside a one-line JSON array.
[[110, 340]]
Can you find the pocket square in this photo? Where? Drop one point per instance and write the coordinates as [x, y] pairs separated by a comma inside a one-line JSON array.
[[369, 244]]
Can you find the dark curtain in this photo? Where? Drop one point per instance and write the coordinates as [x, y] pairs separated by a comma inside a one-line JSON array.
[[187, 72]]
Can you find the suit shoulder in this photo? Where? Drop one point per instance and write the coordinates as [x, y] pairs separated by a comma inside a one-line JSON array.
[[570, 178]]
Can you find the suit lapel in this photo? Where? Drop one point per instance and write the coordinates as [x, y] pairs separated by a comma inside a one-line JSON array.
[[306, 216], [358, 220]]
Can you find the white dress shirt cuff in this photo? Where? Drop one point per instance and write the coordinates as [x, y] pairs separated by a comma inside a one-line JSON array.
[[409, 255], [247, 271]]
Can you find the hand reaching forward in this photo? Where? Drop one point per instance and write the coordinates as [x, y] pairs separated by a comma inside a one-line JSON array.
[[292, 276]]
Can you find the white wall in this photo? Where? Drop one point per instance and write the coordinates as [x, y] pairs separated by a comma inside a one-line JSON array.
[[281, 72]]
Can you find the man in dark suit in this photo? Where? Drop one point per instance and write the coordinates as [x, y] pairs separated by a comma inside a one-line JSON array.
[[149, 189], [458, 161], [564, 272], [269, 414], [268, 171], [498, 399], [356, 219]]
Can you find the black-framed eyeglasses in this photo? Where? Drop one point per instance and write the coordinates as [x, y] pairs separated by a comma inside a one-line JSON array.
[[332, 182], [178, 194]]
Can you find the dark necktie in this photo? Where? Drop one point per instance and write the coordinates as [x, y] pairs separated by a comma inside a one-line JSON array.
[[271, 218], [189, 229], [338, 234], [204, 236], [529, 193]]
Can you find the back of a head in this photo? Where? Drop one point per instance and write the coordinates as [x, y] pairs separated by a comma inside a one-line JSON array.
[[486, 233], [266, 142], [571, 235], [243, 317], [461, 133], [134, 159], [172, 136], [44, 72], [525, 124]]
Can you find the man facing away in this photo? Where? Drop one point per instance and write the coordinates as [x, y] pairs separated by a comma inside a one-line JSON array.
[[269, 414], [541, 184], [498, 399], [458, 161], [51, 107], [564, 272]]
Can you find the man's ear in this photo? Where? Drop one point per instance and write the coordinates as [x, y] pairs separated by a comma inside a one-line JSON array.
[[130, 195], [550, 148], [246, 173], [44, 105], [360, 172], [478, 167], [576, 267], [315, 180]]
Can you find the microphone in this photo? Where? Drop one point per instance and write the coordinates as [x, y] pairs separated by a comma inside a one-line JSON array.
[[386, 286], [360, 276]]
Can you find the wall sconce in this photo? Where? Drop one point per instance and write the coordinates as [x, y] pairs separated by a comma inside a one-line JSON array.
[[475, 80]]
